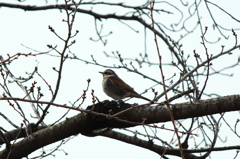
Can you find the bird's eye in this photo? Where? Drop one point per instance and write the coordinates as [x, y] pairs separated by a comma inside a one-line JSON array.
[[107, 73]]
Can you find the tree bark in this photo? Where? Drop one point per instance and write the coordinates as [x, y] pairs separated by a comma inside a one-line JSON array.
[[86, 123]]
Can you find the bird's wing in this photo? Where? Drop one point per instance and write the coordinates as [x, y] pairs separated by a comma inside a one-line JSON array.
[[122, 84]]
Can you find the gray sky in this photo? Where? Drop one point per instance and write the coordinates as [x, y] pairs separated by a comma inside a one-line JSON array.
[[30, 29]]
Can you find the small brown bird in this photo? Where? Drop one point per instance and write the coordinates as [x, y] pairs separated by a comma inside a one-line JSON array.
[[116, 88]]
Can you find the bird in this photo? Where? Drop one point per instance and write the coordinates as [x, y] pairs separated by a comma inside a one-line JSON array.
[[116, 88]]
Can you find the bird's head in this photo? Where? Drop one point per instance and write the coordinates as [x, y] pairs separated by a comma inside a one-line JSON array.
[[108, 73]]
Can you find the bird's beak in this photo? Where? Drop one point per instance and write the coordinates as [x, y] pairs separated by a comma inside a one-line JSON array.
[[101, 72]]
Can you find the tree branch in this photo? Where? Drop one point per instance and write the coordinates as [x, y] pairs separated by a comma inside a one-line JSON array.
[[85, 123]]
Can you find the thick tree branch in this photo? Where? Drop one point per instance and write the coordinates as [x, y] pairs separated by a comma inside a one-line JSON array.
[[85, 123]]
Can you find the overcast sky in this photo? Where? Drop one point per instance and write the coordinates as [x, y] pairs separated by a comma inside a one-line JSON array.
[[20, 28]]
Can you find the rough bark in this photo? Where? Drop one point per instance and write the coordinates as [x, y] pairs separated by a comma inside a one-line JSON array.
[[86, 123]]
